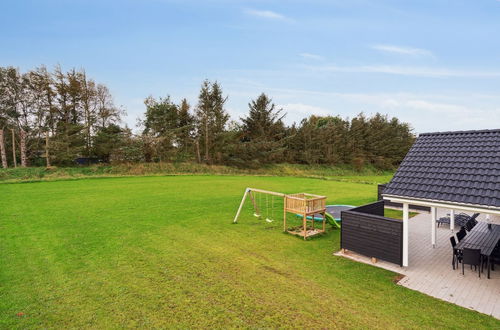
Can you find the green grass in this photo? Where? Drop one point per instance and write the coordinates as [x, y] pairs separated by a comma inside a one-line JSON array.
[[162, 252], [339, 173], [397, 214]]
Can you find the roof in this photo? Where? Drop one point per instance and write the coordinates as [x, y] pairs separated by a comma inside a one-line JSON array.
[[458, 167]]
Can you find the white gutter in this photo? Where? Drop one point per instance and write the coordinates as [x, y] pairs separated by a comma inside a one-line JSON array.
[[444, 205]]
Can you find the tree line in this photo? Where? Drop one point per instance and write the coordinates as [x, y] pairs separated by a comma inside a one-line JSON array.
[[58, 118]]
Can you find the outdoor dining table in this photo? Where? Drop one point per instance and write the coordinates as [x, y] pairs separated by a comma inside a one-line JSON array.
[[484, 237]]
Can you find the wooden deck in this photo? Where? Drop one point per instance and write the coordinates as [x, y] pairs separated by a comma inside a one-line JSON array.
[[430, 270]]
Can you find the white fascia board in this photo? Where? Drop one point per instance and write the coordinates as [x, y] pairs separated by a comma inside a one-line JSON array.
[[443, 205]]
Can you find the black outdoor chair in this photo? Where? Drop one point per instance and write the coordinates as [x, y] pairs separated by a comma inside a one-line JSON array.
[[495, 258], [460, 219], [457, 255], [461, 234], [442, 220], [469, 225], [472, 257]]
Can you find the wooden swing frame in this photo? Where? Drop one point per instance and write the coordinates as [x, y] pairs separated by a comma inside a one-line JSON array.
[[248, 193], [303, 204]]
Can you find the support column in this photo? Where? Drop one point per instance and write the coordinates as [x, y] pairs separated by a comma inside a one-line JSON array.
[[406, 236], [433, 226], [452, 220]]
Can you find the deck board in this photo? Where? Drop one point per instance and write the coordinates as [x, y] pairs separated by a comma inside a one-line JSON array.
[[430, 270]]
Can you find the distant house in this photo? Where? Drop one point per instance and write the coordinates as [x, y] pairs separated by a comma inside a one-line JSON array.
[[87, 161]]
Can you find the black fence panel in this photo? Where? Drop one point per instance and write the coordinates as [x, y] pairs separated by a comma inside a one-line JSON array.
[[366, 231]]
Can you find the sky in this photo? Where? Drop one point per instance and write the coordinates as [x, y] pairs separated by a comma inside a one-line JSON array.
[[434, 64]]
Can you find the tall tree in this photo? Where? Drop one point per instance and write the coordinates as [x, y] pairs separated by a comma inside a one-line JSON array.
[[211, 118], [264, 120], [161, 124], [186, 127], [4, 114], [107, 112], [89, 103], [263, 131], [3, 154]]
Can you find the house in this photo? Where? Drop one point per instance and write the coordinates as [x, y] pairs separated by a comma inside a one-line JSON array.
[[444, 173], [458, 171]]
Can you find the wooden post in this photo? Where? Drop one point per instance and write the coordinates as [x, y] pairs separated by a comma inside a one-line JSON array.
[[405, 234], [14, 148], [284, 213], [452, 220], [241, 206], [433, 226], [304, 219], [2, 150]]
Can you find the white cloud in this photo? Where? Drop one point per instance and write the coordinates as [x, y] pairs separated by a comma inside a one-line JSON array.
[[403, 50], [265, 14], [312, 56], [416, 71]]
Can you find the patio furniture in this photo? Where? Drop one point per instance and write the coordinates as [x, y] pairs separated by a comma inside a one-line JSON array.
[[457, 255], [460, 219], [495, 257], [469, 225], [483, 237], [461, 234], [472, 257], [472, 222]]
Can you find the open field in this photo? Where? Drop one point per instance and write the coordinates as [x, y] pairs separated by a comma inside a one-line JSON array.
[[339, 173], [161, 251]]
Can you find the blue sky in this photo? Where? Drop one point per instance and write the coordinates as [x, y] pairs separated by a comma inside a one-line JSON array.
[[434, 64]]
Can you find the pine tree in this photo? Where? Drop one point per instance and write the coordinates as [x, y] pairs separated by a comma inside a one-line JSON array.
[[262, 132], [211, 119], [186, 127]]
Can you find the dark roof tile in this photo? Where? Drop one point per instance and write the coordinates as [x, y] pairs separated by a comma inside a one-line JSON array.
[[460, 167]]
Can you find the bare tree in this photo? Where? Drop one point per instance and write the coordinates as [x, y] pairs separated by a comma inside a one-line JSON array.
[[14, 148], [22, 147], [2, 149], [47, 155]]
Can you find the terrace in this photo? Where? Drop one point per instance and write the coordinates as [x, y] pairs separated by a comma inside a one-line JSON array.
[[444, 173], [430, 270]]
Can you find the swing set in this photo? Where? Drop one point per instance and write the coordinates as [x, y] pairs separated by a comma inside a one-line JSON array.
[[257, 202], [308, 207]]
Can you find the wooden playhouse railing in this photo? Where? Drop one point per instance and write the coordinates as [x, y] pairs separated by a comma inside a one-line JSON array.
[[307, 206]]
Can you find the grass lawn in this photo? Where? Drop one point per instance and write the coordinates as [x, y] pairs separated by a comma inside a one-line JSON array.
[[161, 251]]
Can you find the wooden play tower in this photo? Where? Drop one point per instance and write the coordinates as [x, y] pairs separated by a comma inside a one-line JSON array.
[[309, 207]]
